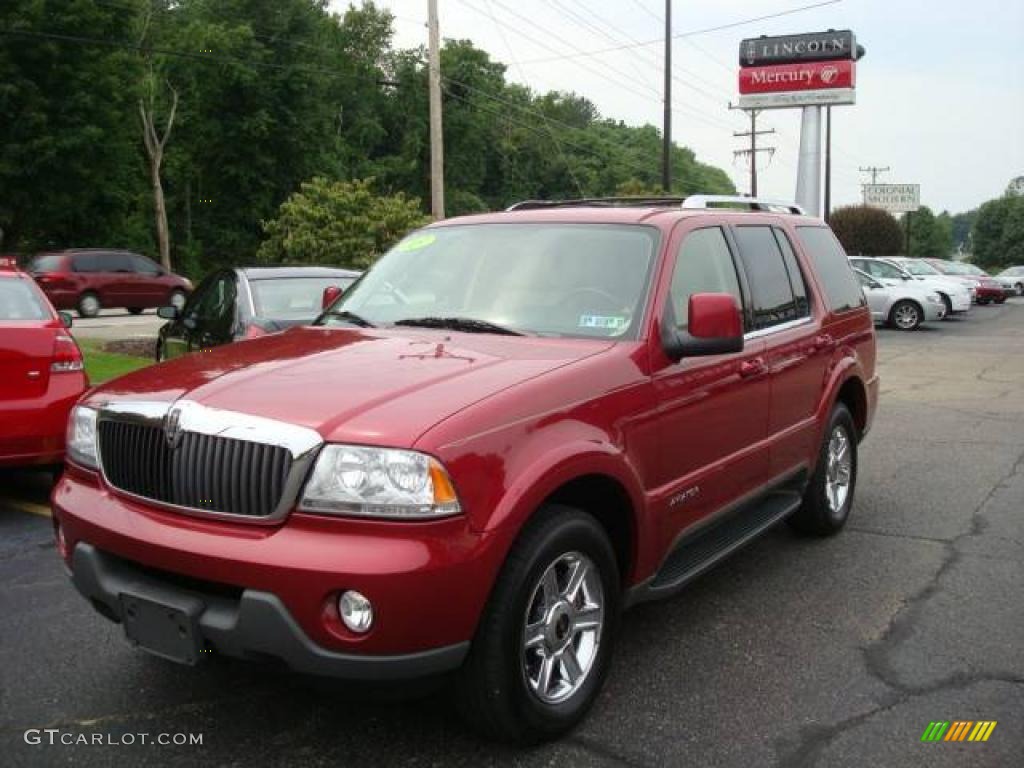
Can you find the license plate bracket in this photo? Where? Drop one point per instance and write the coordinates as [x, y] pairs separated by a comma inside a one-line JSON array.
[[166, 629]]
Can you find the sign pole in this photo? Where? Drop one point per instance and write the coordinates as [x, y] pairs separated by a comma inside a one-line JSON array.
[[808, 173], [666, 131], [828, 163]]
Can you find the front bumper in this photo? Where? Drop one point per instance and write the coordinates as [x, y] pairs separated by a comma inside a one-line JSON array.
[[428, 582], [253, 626], [933, 312]]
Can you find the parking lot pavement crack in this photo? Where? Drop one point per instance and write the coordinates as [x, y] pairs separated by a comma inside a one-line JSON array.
[[814, 739]]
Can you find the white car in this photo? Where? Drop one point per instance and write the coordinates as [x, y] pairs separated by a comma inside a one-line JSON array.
[[1016, 276], [904, 306], [894, 270]]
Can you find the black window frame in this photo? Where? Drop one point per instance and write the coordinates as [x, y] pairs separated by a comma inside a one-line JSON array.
[[783, 239]]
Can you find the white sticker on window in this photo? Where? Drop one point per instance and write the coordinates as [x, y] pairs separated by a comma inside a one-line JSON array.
[[607, 322]]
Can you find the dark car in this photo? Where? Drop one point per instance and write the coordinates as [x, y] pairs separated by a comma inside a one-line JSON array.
[[233, 304], [91, 279]]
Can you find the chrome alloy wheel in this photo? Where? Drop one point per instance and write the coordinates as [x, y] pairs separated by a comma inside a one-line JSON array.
[[562, 628], [839, 470], [906, 316]]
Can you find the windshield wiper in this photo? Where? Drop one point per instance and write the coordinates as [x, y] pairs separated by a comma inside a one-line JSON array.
[[467, 324], [351, 317]]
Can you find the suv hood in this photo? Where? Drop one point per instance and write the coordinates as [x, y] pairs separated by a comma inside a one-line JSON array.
[[371, 386]]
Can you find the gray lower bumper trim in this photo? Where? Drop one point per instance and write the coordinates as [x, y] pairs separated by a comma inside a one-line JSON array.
[[256, 625]]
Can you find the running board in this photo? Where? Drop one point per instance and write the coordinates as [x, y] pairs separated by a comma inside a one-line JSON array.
[[696, 554]]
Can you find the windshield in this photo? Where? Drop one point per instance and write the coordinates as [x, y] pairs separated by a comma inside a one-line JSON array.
[[952, 268], [973, 269], [575, 280], [292, 298], [19, 302], [919, 268]]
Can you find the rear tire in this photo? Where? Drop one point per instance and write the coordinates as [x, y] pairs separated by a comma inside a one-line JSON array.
[[535, 621], [829, 494], [89, 304], [906, 315]]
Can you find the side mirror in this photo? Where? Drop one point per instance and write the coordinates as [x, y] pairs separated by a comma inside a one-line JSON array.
[[715, 327], [168, 313], [331, 294], [66, 319]]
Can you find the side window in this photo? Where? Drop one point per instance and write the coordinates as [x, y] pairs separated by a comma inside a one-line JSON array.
[[796, 275], [144, 266], [703, 265], [217, 308], [85, 262], [888, 271], [116, 262], [841, 287], [770, 289]]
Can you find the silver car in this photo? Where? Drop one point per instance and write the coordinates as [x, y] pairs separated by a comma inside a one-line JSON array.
[[893, 270], [904, 306], [1016, 276]]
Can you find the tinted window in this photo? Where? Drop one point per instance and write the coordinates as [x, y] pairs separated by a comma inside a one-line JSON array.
[[19, 302], [216, 308], [771, 292], [703, 265], [796, 275], [841, 287], [116, 262], [46, 264], [86, 262], [144, 266]]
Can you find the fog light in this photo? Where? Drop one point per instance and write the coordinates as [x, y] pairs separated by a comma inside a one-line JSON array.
[[356, 611]]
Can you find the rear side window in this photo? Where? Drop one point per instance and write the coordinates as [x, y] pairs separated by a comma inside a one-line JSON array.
[[86, 262], [144, 266], [841, 287], [19, 302], [46, 264], [796, 275], [771, 292], [703, 265]]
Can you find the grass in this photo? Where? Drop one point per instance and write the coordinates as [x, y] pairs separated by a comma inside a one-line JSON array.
[[103, 366]]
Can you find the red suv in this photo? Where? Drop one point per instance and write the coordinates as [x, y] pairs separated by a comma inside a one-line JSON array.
[[92, 279], [41, 372], [511, 428]]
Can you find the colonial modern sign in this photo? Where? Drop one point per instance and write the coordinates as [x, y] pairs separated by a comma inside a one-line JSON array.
[[895, 198], [790, 49], [822, 97], [812, 76]]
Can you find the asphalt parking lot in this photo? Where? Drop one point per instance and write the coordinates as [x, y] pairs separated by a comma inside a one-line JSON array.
[[793, 653]]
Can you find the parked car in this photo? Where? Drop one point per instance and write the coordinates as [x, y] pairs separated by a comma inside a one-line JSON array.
[[1016, 277], [986, 290], [1008, 286], [921, 268], [512, 427], [903, 306], [41, 372], [91, 279], [233, 304], [954, 294]]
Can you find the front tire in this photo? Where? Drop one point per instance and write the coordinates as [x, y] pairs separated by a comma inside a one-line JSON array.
[[89, 304], [545, 640], [906, 315], [829, 494]]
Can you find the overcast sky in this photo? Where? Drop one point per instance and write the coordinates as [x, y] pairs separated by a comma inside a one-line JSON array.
[[940, 94]]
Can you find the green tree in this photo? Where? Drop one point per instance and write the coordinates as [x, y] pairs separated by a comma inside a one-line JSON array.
[[930, 236], [998, 235], [338, 222], [867, 231]]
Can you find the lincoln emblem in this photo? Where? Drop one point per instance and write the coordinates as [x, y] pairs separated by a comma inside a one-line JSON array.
[[172, 427]]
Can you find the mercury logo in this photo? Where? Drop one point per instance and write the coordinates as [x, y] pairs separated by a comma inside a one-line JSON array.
[[172, 428], [829, 74]]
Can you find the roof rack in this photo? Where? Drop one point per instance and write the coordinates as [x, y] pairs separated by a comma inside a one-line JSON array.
[[693, 202], [598, 202], [698, 202]]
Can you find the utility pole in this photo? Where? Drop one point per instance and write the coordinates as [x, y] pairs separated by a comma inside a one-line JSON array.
[[666, 150], [828, 162], [436, 130], [751, 153], [874, 170]]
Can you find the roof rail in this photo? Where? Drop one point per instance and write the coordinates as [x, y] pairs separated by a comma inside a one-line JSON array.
[[598, 202], [697, 202]]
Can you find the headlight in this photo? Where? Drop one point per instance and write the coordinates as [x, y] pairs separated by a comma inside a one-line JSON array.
[[379, 482], [81, 438]]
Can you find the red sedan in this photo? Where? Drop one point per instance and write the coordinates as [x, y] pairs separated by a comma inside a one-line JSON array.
[[41, 372]]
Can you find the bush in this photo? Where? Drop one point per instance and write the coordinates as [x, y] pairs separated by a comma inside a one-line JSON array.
[[342, 223], [867, 231]]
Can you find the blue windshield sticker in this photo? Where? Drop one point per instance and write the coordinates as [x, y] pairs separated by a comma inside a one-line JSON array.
[[607, 322]]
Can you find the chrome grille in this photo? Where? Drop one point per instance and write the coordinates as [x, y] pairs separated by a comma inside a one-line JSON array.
[[202, 472]]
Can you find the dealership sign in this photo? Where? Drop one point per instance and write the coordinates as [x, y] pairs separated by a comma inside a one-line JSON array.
[[894, 198], [835, 97], [789, 49], [813, 76]]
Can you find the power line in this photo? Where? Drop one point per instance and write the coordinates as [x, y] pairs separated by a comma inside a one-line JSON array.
[[690, 33], [874, 170]]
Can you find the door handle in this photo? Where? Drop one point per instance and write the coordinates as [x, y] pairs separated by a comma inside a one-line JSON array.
[[824, 341], [752, 367]]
